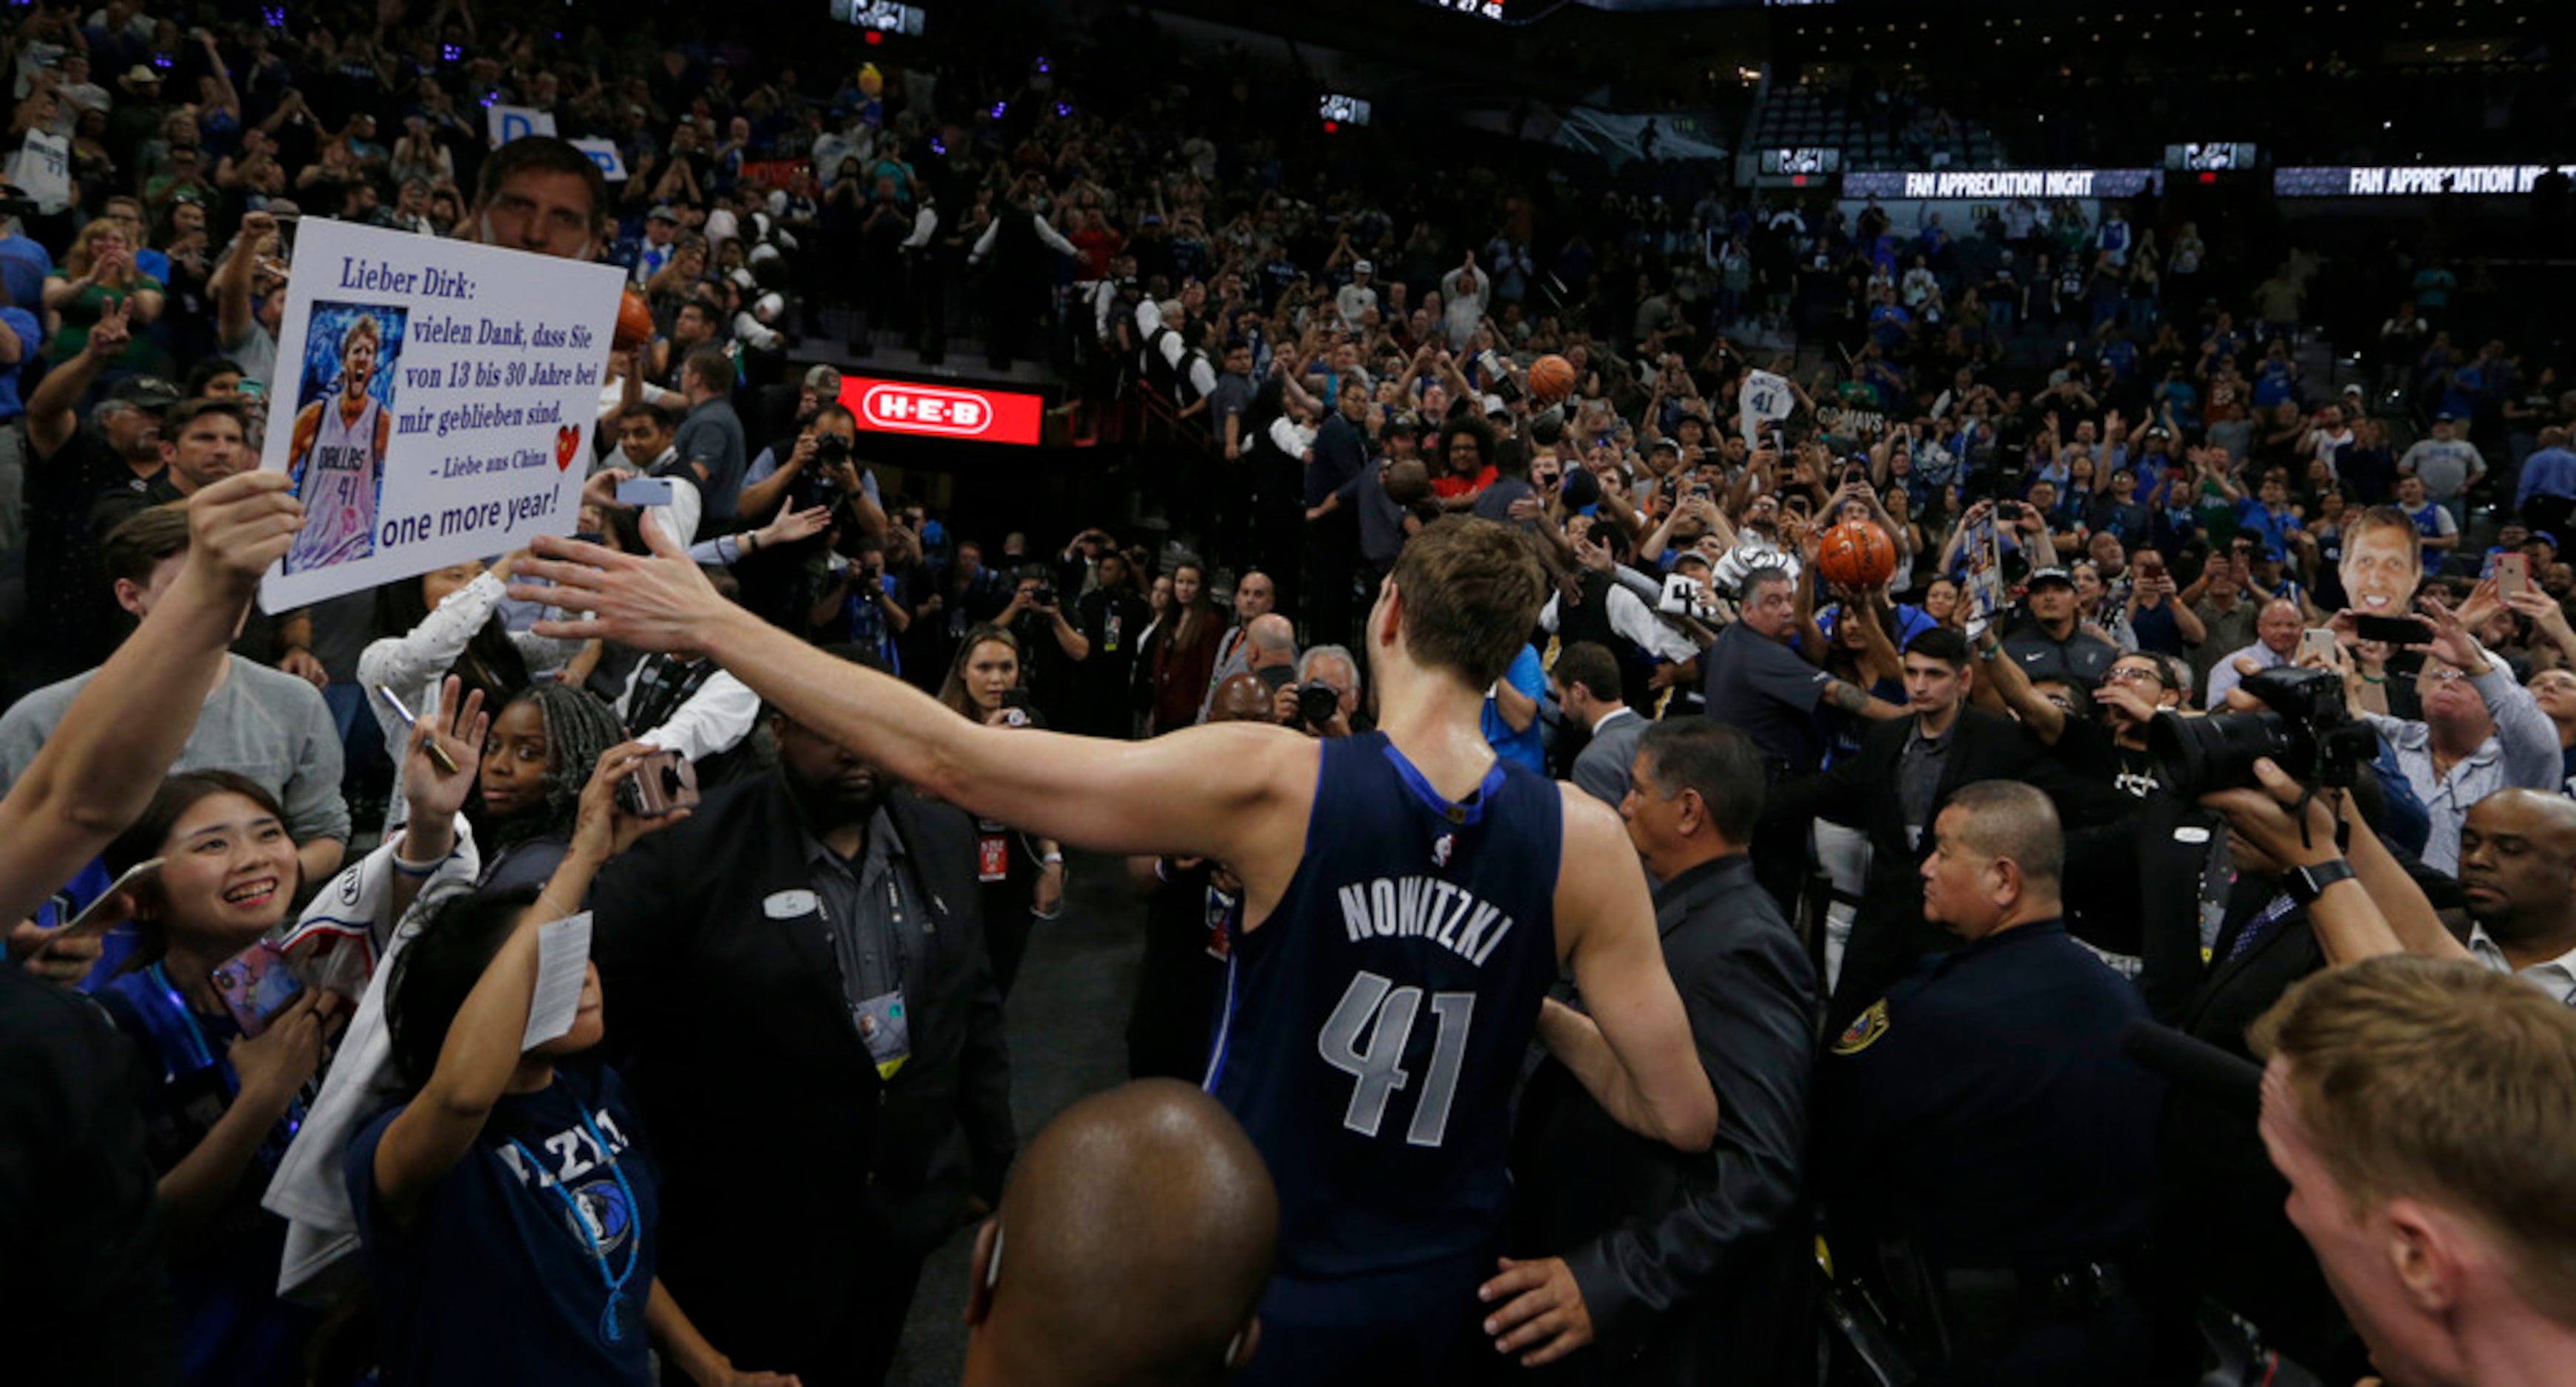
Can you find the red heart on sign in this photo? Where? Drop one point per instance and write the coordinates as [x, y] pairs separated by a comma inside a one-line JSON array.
[[567, 443]]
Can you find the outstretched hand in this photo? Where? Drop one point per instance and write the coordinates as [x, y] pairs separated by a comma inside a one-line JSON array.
[[657, 602], [2279, 816]]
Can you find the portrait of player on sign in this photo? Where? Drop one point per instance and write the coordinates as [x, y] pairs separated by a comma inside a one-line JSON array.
[[336, 461]]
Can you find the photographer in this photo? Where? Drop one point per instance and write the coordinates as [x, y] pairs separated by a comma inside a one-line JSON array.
[[1053, 643], [2481, 732], [818, 471], [862, 605], [1323, 699], [2307, 874]]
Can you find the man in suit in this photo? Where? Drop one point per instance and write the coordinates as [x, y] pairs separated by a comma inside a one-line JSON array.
[[1588, 689], [1687, 1269], [809, 1022], [1894, 789]]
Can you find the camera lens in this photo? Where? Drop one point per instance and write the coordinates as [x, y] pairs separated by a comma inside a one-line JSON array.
[[2198, 756]]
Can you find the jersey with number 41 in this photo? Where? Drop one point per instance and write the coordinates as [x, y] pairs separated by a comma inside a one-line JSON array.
[[1373, 1028]]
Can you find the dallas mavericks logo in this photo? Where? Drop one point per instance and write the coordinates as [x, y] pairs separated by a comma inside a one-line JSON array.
[[603, 1208]]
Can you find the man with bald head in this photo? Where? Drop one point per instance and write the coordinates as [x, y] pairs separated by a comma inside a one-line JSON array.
[[1131, 1250], [2518, 869], [2276, 643], [1979, 1131], [1255, 596], [1269, 643]]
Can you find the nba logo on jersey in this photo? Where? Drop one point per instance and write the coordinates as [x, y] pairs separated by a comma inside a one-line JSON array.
[[1440, 848]]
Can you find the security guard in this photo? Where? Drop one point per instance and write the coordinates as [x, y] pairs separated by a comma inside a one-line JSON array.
[[1985, 1150]]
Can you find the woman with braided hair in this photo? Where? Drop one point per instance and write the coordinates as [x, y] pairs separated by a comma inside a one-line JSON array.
[[490, 806], [538, 754]]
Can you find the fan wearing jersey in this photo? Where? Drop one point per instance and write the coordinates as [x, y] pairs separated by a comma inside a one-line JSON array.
[[336, 462], [1406, 900]]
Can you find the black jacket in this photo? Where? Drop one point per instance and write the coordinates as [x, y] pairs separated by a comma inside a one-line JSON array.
[[1693, 1268], [1889, 935], [788, 1164]]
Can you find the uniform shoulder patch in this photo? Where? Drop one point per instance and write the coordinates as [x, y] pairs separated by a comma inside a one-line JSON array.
[[1864, 1030]]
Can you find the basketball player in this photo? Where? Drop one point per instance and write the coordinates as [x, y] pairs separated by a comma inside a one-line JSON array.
[[336, 462], [1407, 901]]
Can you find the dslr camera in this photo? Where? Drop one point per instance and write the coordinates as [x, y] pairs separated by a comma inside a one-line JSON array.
[[1317, 702], [2304, 727]]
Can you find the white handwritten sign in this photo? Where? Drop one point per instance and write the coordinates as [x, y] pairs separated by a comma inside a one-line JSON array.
[[444, 393]]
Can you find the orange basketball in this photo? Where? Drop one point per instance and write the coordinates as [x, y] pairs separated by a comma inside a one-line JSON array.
[[634, 321], [1856, 554], [1551, 378]]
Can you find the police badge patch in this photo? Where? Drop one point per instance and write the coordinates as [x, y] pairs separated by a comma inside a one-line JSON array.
[[1864, 1030]]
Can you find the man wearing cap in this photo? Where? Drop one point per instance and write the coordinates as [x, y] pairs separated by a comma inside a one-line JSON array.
[[2547, 489], [661, 238], [2448, 465], [1359, 296], [70, 469], [2050, 643]]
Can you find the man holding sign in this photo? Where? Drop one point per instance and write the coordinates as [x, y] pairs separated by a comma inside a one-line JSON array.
[[443, 394], [337, 459]]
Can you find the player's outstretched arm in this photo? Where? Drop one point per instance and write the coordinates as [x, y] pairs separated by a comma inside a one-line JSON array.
[[1235, 791], [1634, 1050]]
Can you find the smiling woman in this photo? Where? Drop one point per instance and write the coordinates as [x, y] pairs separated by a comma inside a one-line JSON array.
[[227, 1101]]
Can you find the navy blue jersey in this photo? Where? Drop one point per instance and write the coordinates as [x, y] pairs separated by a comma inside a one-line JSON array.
[[1373, 1028]]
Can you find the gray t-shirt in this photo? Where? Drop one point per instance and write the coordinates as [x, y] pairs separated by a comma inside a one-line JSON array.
[[1758, 684], [270, 727]]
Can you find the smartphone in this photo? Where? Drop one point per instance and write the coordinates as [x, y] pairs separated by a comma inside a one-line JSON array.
[[2512, 575], [644, 491], [255, 985], [664, 782], [93, 917], [2397, 630], [2320, 642]]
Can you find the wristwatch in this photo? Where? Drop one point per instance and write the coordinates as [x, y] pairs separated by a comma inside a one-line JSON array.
[[2305, 884]]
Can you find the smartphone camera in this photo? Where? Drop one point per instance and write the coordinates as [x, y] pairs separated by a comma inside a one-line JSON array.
[[664, 783]]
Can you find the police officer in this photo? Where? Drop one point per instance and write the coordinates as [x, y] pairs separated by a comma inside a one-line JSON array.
[[1984, 1149]]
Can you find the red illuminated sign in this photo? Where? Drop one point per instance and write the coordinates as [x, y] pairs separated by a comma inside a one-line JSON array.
[[942, 411]]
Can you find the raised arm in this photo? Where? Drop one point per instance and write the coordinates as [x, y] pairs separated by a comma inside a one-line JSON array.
[[108, 755], [482, 1050], [1102, 795]]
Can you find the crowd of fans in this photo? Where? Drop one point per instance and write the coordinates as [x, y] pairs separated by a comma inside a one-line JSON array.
[[2036, 668]]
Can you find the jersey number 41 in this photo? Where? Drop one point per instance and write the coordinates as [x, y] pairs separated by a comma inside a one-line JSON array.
[[1385, 1012]]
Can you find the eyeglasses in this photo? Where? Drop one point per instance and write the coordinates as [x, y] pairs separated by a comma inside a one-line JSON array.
[[2131, 674], [2443, 676]]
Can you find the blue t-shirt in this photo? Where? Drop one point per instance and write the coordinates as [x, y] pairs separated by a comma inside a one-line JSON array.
[[31, 334], [493, 1281], [1522, 748], [23, 267]]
